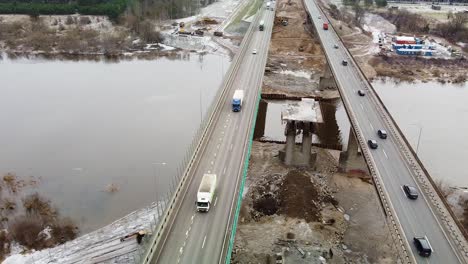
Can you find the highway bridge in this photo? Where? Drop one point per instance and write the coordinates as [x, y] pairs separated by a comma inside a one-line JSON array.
[[392, 164], [191, 237], [184, 236]]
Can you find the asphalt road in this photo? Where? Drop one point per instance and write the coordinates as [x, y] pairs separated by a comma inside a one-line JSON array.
[[416, 216], [203, 237]]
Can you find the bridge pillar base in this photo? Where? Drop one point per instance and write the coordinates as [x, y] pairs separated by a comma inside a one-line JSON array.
[[351, 160], [298, 155]]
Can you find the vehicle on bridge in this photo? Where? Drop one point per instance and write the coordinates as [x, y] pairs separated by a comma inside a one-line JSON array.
[[344, 62], [237, 99], [262, 25], [268, 5], [325, 25], [382, 133], [361, 92], [423, 246], [372, 143], [206, 192], [410, 192]]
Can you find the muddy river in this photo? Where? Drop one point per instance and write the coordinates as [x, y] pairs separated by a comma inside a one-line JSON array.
[[82, 126], [436, 115]]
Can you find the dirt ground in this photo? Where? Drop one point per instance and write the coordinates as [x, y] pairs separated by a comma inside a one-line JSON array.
[[296, 60], [376, 64], [308, 216]]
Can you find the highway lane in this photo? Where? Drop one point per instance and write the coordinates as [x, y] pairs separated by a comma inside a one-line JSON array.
[[201, 237], [416, 217]]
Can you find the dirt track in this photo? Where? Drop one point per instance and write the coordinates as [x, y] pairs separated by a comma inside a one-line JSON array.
[[296, 60]]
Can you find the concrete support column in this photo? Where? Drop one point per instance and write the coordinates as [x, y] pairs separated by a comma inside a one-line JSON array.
[[353, 145], [351, 160], [261, 120], [290, 142], [306, 141]]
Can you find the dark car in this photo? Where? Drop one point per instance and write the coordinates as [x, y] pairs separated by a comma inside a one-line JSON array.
[[372, 143], [361, 92], [382, 133], [423, 246], [344, 62], [410, 192]]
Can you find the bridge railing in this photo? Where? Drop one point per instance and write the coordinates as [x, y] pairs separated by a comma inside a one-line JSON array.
[[162, 224]]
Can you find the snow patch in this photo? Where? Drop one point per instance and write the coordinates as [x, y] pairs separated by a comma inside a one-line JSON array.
[[301, 74], [102, 245], [158, 46], [16, 259]]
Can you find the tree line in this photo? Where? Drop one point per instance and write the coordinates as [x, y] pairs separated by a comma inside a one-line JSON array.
[[110, 8]]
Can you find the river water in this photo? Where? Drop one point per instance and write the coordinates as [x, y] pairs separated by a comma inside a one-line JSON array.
[[436, 115], [81, 126]]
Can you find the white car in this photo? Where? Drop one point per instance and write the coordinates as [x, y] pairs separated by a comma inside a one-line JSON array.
[[254, 51]]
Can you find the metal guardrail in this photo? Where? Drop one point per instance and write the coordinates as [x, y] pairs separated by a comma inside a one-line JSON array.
[[198, 144]]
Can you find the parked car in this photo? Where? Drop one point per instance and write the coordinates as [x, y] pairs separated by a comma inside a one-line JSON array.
[[382, 133], [410, 192], [372, 143], [423, 246], [344, 62], [254, 51], [361, 92]]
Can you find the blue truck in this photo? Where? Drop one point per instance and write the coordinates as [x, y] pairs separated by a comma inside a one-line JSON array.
[[237, 100]]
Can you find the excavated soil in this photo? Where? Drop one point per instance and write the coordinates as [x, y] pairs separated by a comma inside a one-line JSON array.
[[298, 197]]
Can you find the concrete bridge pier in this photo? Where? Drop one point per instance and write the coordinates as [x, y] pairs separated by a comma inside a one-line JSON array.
[[327, 81], [294, 155], [306, 141], [290, 133], [261, 120], [351, 160]]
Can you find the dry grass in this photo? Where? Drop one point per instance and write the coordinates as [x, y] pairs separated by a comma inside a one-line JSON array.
[[26, 221], [439, 69], [25, 231], [5, 244]]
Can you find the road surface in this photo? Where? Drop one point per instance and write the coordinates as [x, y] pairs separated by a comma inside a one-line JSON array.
[[416, 216], [202, 237]]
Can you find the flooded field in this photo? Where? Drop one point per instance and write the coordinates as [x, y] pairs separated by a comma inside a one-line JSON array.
[[89, 127]]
